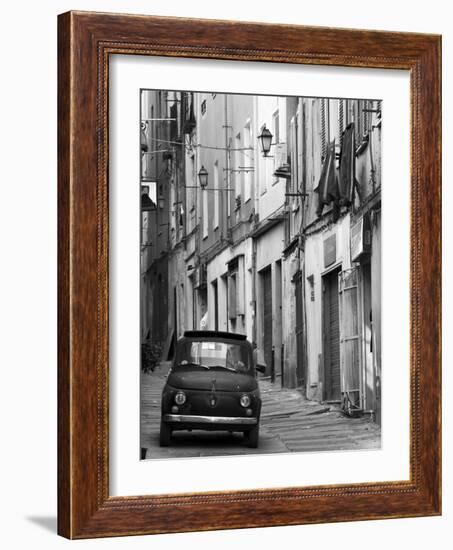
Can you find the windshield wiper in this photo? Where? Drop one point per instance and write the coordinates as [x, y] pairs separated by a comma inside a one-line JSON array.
[[193, 364], [223, 367]]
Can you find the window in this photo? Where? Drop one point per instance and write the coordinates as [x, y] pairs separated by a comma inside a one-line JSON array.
[[341, 120], [264, 171], [216, 194], [249, 161], [223, 299], [379, 108], [215, 292], [236, 305], [209, 353], [324, 127], [276, 127], [279, 149], [173, 115], [311, 286], [294, 159], [190, 193], [237, 163], [366, 117], [361, 120], [232, 295]]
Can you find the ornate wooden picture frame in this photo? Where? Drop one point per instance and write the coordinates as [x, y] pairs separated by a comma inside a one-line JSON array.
[[85, 507]]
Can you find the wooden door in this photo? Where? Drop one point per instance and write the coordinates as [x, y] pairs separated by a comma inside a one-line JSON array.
[[300, 349], [267, 318], [216, 305], [331, 340]]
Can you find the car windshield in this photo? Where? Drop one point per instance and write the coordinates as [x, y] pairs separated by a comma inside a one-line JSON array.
[[212, 354]]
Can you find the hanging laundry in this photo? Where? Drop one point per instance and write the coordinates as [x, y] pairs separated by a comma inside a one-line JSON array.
[[346, 178], [327, 187]]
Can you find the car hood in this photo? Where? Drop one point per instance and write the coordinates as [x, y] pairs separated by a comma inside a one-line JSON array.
[[215, 380]]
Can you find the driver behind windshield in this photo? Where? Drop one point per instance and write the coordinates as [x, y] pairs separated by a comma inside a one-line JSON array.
[[234, 359]]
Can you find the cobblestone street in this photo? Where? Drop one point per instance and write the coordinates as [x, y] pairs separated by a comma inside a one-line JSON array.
[[289, 422]]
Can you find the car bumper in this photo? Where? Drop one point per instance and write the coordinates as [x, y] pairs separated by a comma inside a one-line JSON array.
[[210, 420]]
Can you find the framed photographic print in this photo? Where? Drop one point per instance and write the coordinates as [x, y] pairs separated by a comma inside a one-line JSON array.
[[249, 275]]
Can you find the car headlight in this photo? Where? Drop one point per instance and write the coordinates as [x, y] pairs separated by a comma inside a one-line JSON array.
[[180, 398], [245, 401]]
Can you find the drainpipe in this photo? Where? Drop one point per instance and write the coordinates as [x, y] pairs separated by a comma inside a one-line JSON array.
[[302, 233], [256, 206], [226, 194], [373, 169]]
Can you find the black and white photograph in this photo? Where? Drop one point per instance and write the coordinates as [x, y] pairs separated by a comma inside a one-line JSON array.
[[226, 291], [260, 274]]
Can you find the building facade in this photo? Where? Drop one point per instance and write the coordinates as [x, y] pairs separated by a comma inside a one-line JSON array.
[[342, 253], [283, 246]]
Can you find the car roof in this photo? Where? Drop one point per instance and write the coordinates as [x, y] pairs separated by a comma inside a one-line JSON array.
[[214, 334]]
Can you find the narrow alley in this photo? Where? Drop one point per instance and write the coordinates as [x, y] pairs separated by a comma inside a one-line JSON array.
[[289, 422]]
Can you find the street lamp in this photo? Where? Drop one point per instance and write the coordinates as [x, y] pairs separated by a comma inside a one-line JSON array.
[[203, 180], [265, 140], [203, 177]]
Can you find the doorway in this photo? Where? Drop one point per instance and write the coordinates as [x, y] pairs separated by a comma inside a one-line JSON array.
[[331, 337], [300, 345], [215, 292], [266, 279]]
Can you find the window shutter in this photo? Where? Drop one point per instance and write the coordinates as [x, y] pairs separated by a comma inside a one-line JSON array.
[[293, 145], [341, 124], [366, 117], [174, 122], [248, 161], [232, 296], [379, 108], [350, 358], [323, 130], [300, 148], [240, 285], [358, 122]]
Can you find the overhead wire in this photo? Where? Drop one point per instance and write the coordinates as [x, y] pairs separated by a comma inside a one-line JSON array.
[[204, 146]]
